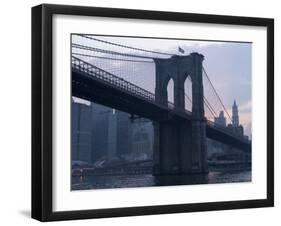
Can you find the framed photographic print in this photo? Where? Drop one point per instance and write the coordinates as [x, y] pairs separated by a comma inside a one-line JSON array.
[[145, 112]]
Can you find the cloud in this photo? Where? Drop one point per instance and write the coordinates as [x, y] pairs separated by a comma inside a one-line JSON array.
[[246, 107]]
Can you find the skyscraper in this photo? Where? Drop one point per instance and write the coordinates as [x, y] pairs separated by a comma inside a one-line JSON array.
[[221, 120], [235, 116], [235, 126], [103, 132], [124, 133], [81, 132]]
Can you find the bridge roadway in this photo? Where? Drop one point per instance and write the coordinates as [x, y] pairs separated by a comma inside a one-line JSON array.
[[99, 86]]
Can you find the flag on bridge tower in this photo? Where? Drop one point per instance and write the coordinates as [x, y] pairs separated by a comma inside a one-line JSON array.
[[181, 50]]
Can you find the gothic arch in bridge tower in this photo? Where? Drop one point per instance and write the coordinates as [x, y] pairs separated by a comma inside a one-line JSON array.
[[182, 146], [188, 93], [171, 92]]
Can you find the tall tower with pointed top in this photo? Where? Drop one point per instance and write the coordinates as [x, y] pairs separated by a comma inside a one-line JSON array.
[[235, 116]]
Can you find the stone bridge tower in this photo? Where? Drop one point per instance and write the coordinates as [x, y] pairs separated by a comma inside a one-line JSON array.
[[182, 145]]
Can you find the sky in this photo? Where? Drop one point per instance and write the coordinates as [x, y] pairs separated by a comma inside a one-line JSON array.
[[228, 65]]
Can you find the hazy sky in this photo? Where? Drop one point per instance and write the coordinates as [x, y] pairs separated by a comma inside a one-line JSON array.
[[228, 65]]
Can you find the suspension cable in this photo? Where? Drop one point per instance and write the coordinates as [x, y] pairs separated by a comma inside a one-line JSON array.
[[110, 58], [210, 110], [74, 45], [210, 106], [188, 97], [206, 102], [125, 46], [216, 94]]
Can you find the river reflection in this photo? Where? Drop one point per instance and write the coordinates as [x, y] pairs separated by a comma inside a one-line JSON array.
[[125, 181]]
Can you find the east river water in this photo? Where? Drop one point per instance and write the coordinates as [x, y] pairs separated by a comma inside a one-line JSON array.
[[124, 181]]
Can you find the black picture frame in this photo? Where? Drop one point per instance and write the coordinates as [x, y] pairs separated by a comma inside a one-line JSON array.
[[42, 197]]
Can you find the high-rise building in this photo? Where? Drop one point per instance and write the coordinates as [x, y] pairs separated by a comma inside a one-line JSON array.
[[221, 120], [81, 132], [124, 133], [235, 116], [103, 122], [143, 138], [217, 150], [235, 126], [102, 133]]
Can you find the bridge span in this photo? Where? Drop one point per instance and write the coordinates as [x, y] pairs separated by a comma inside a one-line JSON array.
[[181, 134]]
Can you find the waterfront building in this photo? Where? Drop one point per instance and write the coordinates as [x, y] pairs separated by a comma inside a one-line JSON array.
[[124, 133], [104, 123], [81, 132], [142, 138]]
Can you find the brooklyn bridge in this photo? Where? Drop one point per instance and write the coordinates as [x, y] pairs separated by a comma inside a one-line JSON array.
[[106, 74]]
